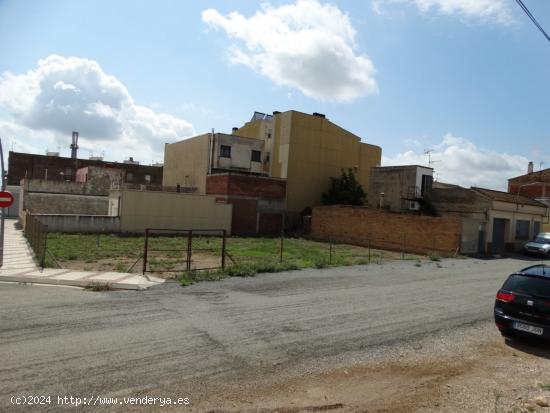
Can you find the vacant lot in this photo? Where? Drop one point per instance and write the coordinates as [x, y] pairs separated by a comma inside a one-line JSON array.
[[249, 255]]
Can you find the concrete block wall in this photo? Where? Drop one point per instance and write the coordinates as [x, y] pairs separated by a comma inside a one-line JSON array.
[[85, 224], [386, 230]]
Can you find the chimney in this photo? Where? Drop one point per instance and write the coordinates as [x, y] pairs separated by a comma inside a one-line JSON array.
[[530, 168], [234, 130], [74, 145]]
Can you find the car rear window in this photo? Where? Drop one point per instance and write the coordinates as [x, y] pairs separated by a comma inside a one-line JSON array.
[[522, 284]]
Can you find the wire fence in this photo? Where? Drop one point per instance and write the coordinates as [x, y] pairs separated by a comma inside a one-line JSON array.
[[170, 250], [176, 252], [37, 236]]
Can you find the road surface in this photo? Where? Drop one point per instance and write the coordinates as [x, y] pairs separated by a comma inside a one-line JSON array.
[[65, 341]]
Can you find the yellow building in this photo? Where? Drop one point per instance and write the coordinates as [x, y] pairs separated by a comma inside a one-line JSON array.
[[307, 150]]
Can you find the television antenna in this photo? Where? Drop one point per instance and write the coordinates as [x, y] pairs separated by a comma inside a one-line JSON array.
[[428, 153]]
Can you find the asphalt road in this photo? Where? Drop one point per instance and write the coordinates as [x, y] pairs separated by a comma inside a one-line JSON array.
[[64, 341]]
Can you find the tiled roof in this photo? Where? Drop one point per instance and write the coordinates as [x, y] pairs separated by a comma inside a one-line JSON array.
[[507, 197], [537, 175]]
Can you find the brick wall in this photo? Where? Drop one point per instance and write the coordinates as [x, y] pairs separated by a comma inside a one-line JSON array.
[[257, 202], [386, 230], [245, 185], [530, 190]]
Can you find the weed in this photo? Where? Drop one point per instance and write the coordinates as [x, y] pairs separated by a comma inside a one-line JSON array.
[[321, 264], [418, 263], [95, 286], [434, 256], [241, 271], [185, 280], [544, 386], [120, 267]]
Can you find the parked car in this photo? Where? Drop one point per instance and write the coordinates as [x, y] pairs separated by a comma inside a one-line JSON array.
[[522, 305], [540, 246]]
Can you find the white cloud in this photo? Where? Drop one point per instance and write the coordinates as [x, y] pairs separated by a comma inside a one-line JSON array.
[[459, 161], [497, 11], [65, 94], [307, 45]]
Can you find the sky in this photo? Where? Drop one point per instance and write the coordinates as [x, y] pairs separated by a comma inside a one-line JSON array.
[[466, 80]]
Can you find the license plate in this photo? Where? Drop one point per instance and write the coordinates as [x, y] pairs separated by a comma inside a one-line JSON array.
[[527, 328]]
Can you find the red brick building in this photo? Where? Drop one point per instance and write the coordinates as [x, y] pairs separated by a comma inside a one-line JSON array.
[[533, 185], [58, 168], [258, 202]]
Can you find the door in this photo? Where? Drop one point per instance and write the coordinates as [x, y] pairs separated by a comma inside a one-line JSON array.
[[499, 231]]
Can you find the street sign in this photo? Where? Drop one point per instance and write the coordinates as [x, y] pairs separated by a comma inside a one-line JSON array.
[[6, 199]]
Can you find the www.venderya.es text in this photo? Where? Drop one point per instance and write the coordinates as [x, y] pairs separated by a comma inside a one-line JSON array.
[[94, 400]]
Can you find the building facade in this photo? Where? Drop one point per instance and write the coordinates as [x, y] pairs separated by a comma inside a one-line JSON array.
[[399, 188], [308, 150], [492, 221], [305, 150], [58, 168]]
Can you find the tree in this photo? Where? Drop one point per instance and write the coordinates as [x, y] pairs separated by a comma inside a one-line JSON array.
[[345, 190]]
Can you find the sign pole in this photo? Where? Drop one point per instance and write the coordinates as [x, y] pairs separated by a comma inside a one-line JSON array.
[[3, 209]]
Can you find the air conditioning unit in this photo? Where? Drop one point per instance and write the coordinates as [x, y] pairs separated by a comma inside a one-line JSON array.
[[414, 206]]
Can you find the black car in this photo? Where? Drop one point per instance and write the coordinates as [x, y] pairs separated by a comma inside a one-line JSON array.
[[522, 305]]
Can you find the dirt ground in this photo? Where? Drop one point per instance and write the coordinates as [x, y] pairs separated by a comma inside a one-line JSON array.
[[472, 370], [127, 264]]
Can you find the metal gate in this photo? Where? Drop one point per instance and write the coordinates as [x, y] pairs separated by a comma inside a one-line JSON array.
[[183, 250]]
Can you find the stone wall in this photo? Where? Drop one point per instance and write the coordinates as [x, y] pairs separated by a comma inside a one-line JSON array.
[[379, 229], [43, 203]]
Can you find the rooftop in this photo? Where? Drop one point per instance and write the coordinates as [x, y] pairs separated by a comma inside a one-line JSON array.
[[533, 175], [507, 197]]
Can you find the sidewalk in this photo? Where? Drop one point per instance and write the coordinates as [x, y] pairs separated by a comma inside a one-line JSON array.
[[19, 266]]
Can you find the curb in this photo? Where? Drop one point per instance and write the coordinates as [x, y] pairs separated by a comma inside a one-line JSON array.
[[74, 283]]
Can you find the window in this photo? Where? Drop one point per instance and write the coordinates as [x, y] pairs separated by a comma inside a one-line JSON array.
[[256, 156], [225, 151], [129, 176], [522, 230], [147, 179], [268, 133], [427, 181]]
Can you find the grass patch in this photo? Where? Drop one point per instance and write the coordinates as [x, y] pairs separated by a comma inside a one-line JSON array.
[[98, 287], [434, 256], [545, 386], [246, 256]]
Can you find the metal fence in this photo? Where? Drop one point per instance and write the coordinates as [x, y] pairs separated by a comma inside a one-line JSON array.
[[171, 250], [37, 236]]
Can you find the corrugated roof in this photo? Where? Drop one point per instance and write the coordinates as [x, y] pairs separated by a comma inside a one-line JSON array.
[[507, 197]]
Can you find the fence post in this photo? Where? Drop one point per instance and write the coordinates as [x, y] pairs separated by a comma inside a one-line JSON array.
[[282, 236], [145, 251], [403, 249], [189, 249], [223, 251], [369, 241], [43, 260], [330, 252]]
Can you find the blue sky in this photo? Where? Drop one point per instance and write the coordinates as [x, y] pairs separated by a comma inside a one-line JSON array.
[[468, 79]]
